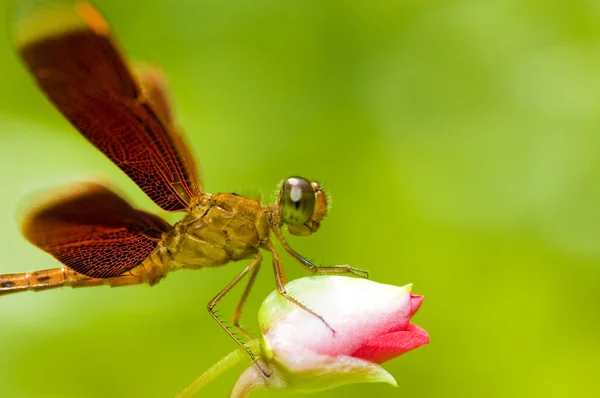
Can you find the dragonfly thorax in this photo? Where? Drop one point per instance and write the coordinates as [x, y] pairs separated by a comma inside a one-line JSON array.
[[219, 229]]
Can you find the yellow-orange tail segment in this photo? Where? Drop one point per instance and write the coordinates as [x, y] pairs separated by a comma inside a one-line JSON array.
[[59, 277]]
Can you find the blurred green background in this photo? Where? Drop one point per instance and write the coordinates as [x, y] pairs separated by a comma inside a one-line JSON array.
[[460, 143]]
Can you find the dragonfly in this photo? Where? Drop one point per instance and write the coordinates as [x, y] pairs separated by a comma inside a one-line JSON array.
[[125, 112]]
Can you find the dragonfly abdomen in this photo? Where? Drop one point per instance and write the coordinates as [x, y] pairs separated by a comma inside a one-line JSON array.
[[150, 271]]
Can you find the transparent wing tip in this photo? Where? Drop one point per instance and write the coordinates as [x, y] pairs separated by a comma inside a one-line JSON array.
[[36, 20]]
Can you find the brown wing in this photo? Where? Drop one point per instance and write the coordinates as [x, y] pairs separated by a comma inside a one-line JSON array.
[[154, 84], [68, 48], [93, 231]]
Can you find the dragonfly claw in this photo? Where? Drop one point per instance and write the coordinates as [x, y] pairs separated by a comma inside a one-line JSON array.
[[359, 272]]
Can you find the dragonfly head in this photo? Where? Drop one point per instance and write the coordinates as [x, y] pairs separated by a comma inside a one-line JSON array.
[[302, 205]]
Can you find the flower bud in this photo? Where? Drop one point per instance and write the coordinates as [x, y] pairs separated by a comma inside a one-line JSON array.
[[371, 322]]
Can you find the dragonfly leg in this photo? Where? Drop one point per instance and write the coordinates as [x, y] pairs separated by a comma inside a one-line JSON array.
[[211, 305], [281, 281], [338, 269], [238, 311]]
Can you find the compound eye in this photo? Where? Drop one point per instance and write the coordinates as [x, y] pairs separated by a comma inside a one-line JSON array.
[[297, 201]]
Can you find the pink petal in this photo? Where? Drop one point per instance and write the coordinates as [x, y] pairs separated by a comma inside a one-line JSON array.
[[389, 346], [415, 303], [417, 329]]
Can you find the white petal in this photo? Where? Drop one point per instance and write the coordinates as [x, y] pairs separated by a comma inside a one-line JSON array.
[[357, 309]]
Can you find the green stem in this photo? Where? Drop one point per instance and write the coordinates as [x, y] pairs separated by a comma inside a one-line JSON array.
[[224, 364]]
